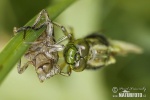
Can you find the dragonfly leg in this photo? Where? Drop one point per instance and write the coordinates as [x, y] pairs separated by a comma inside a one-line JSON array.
[[23, 68], [68, 72]]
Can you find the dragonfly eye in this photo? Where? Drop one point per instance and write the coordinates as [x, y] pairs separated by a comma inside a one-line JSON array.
[[70, 54], [79, 65]]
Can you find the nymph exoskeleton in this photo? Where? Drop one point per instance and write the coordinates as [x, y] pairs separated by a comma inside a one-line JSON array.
[[43, 53]]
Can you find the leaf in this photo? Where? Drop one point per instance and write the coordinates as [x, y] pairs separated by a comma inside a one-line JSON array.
[[16, 47]]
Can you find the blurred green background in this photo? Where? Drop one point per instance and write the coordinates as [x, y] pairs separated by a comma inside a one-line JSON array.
[[127, 20]]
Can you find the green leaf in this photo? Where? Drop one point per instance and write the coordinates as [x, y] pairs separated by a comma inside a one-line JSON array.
[[16, 47]]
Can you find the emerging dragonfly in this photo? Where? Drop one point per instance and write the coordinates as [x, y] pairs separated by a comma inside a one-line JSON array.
[[91, 52]]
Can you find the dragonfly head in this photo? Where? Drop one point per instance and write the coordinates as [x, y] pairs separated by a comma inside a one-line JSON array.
[[75, 54]]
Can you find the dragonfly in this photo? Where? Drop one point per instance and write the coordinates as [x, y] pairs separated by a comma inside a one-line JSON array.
[[91, 52]]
